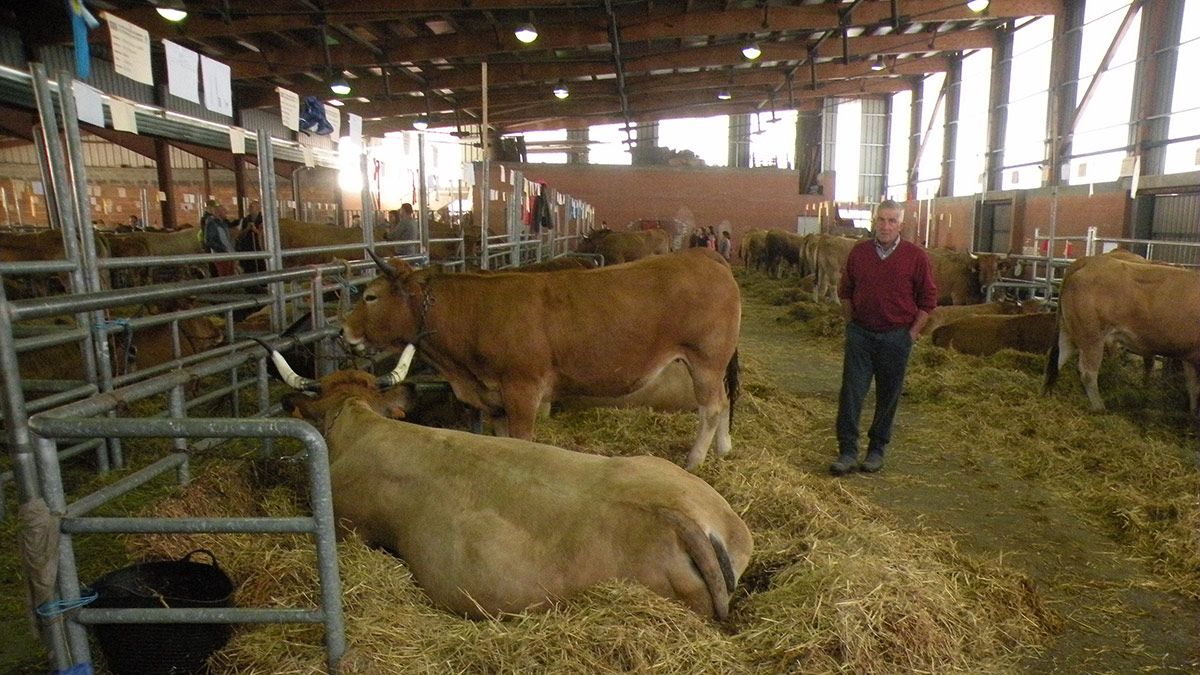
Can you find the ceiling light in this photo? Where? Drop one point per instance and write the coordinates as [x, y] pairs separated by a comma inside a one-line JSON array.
[[724, 95], [751, 51], [421, 123], [877, 64], [172, 10], [561, 91], [978, 5], [335, 102], [340, 87], [526, 33]]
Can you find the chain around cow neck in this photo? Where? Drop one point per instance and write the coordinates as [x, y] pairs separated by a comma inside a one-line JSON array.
[[422, 311]]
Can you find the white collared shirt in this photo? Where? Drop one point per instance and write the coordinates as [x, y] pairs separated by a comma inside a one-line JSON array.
[[882, 252]]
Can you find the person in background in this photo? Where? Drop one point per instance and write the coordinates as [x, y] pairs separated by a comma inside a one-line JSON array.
[[887, 292], [135, 223], [402, 226], [725, 246], [250, 237], [356, 220], [217, 236]]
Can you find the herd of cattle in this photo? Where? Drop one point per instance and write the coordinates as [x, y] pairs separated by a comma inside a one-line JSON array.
[[490, 525]]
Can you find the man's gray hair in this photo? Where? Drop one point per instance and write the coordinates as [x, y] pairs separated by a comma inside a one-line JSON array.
[[889, 204]]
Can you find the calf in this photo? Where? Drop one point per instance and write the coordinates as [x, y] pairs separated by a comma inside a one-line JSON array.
[[498, 525], [986, 334]]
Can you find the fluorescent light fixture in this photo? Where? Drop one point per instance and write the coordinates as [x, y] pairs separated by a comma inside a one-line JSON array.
[[335, 102], [172, 14], [878, 64], [724, 95], [421, 123], [526, 33], [340, 87], [751, 51], [561, 91], [978, 5]]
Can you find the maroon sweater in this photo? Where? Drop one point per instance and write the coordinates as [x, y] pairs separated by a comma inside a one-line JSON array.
[[886, 294]]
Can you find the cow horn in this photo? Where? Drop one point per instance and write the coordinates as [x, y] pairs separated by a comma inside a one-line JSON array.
[[401, 370], [290, 377], [388, 270]]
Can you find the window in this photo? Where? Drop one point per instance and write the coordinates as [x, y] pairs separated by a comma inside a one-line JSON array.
[[897, 169], [1104, 124], [1025, 134], [606, 145], [707, 137], [971, 143], [1185, 104], [847, 153], [933, 136], [541, 149], [773, 140]]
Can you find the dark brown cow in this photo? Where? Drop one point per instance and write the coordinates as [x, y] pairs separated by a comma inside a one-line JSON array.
[[492, 526], [621, 247], [945, 314], [1149, 309], [986, 334], [508, 342]]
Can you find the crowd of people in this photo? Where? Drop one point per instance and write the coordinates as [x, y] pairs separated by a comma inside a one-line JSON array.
[[707, 237]]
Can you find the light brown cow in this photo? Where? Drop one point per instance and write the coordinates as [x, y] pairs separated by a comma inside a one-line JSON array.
[[490, 526], [962, 278], [753, 251], [151, 346], [295, 234], [672, 391], [831, 256], [1149, 309], [986, 334], [43, 245], [157, 243], [621, 247], [508, 342]]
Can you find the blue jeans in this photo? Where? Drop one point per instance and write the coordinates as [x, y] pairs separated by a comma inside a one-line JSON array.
[[884, 357]]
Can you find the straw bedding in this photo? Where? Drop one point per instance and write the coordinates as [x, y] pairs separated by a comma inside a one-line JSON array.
[[835, 585]]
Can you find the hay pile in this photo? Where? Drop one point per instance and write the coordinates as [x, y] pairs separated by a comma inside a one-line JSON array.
[[834, 584]]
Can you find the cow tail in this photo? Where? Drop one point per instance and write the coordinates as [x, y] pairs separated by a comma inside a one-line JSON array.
[[711, 559], [732, 384], [1051, 372]]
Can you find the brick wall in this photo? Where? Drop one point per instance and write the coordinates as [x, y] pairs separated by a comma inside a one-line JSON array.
[[116, 193]]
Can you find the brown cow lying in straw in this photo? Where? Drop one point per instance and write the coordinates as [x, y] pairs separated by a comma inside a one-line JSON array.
[[944, 314], [1150, 309], [498, 525], [508, 342], [986, 334]]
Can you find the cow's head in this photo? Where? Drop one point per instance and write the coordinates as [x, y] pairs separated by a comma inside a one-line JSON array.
[[990, 267], [386, 315], [316, 400]]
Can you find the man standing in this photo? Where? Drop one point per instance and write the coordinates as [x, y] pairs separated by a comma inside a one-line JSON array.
[[404, 228], [887, 292], [217, 237]]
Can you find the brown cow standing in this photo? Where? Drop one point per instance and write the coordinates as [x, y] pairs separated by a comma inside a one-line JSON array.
[[1149, 309], [622, 247], [508, 342], [962, 278], [490, 526]]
